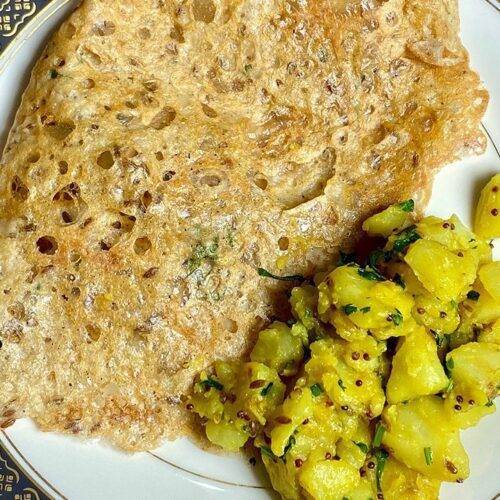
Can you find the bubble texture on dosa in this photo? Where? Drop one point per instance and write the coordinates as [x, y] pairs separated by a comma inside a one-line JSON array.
[[163, 151]]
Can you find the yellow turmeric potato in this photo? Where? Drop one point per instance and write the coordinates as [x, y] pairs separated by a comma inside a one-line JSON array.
[[296, 408], [355, 448], [304, 302], [487, 219], [361, 392], [391, 220], [489, 275], [345, 328], [443, 274], [469, 414], [363, 355], [416, 369], [419, 435], [328, 479], [475, 371], [490, 333], [283, 476], [437, 315], [227, 435], [455, 236], [401, 483], [402, 273], [278, 348]]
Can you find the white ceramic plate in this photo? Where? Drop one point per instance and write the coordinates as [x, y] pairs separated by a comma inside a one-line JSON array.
[[43, 465]]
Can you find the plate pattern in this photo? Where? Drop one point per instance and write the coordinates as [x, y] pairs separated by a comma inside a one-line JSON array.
[[15, 482]]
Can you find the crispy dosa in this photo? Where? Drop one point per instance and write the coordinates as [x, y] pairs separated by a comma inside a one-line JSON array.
[[164, 150]]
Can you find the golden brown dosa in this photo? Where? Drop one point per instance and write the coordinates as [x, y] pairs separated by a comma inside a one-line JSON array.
[[164, 150]]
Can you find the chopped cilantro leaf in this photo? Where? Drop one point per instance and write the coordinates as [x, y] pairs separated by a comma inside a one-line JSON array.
[[379, 433], [341, 384], [266, 389], [210, 382], [381, 456], [362, 446], [450, 364], [473, 295], [365, 309], [399, 281], [53, 74], [267, 451], [405, 238], [346, 258], [370, 274], [288, 447], [407, 206], [428, 455], [316, 389], [349, 309], [396, 318], [489, 403], [449, 387], [267, 274]]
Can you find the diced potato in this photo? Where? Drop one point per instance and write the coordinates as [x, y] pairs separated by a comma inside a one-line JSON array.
[[363, 355], [278, 348], [296, 408], [416, 369], [490, 333], [325, 299], [283, 476], [304, 302], [420, 425], [354, 449], [226, 435], [345, 328], [475, 370], [361, 392], [437, 315], [391, 220], [399, 482], [348, 287], [206, 399], [442, 273], [324, 358], [489, 276], [487, 220], [258, 391], [469, 414], [454, 235], [407, 277], [328, 479]]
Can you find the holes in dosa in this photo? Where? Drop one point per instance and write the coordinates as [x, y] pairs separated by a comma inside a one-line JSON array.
[[146, 200], [168, 175], [105, 160], [261, 183], [208, 111], [204, 10], [151, 85], [69, 204], [163, 118], [20, 191], [33, 157], [104, 28], [283, 243], [94, 332], [144, 34], [142, 245], [177, 33], [59, 130], [47, 245], [109, 228], [292, 183], [63, 167]]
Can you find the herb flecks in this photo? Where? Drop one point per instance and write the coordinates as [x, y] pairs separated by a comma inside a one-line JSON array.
[[405, 238], [210, 382], [362, 446], [316, 390], [266, 389], [428, 455], [396, 318], [370, 274], [202, 252], [266, 274], [349, 309], [407, 206], [346, 258], [381, 456], [341, 384], [379, 434]]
